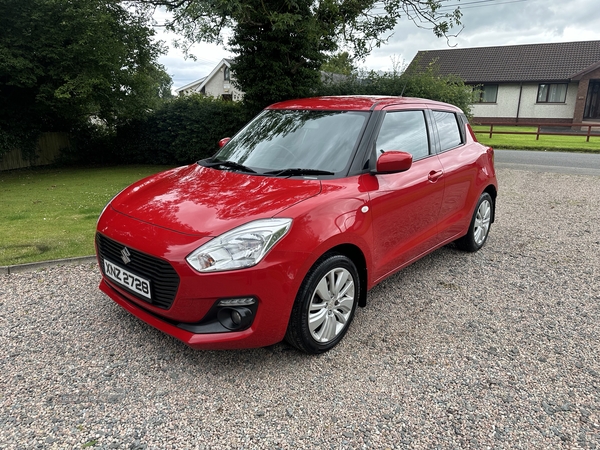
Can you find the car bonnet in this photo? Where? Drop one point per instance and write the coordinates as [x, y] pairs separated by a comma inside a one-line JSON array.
[[207, 202]]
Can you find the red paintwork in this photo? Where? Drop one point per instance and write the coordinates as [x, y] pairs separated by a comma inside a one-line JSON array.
[[394, 162], [354, 103], [171, 214], [224, 141], [222, 199]]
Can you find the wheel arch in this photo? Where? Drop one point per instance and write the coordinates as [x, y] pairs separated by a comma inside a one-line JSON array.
[[491, 189], [358, 258]]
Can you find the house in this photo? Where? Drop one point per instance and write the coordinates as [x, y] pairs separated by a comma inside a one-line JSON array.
[[219, 84], [543, 83]]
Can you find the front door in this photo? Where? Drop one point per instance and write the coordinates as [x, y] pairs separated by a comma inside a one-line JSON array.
[[406, 206], [592, 102]]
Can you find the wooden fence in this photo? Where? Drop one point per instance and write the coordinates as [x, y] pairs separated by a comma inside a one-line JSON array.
[[574, 129], [49, 147]]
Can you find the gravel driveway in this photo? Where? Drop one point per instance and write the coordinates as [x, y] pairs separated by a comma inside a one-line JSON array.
[[496, 349]]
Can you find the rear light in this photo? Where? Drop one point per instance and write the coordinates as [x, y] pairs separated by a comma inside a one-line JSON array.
[[490, 152]]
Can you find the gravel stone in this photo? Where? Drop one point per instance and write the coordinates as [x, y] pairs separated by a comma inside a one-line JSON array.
[[496, 349]]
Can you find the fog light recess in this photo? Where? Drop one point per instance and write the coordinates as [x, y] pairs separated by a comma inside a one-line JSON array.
[[236, 314]]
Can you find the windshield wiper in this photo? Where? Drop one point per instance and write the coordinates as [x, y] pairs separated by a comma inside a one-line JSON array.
[[297, 171], [228, 164]]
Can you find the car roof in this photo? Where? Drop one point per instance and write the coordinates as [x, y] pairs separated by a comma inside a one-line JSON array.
[[357, 103]]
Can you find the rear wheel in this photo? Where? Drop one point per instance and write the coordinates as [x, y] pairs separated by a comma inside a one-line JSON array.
[[480, 225], [325, 305]]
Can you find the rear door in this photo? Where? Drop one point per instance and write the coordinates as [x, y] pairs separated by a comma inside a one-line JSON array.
[[461, 161], [405, 207]]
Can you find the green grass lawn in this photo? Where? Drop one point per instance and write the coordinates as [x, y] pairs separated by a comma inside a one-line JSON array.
[[51, 213], [528, 142]]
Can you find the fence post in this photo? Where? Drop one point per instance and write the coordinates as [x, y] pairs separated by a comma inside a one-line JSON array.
[[491, 129], [588, 133], [537, 136]]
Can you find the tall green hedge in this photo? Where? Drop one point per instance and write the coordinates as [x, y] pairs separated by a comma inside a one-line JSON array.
[[183, 130], [186, 129]]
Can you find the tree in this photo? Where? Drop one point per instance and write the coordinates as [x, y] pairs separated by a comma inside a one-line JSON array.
[[339, 63], [402, 81], [278, 58], [281, 44], [64, 62]]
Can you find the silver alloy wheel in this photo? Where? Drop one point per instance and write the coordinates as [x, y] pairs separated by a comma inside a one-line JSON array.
[[331, 305], [482, 222]]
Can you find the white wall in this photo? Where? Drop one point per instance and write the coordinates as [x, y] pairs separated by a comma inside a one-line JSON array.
[[217, 86], [508, 99], [532, 110]]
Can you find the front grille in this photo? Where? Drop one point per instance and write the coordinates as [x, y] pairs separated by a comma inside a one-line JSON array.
[[163, 279]]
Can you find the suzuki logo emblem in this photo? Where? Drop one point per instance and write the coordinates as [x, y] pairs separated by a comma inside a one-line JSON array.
[[125, 255]]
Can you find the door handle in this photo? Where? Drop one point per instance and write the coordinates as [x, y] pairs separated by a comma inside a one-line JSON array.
[[435, 175]]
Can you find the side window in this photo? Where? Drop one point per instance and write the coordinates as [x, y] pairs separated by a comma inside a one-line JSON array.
[[404, 131], [448, 130]]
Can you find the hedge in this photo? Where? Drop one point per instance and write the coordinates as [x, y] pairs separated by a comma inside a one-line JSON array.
[[183, 130], [186, 129]]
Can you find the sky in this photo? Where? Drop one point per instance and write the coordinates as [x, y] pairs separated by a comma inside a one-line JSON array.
[[486, 23]]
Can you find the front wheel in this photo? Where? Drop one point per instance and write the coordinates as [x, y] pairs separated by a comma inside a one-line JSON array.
[[325, 305], [480, 225]]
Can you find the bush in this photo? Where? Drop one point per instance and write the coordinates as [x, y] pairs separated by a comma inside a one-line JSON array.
[[186, 129], [428, 84], [91, 144], [183, 130]]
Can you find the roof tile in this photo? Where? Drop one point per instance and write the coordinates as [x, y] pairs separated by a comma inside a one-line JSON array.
[[513, 63]]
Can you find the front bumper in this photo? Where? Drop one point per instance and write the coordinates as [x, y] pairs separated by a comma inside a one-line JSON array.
[[273, 283]]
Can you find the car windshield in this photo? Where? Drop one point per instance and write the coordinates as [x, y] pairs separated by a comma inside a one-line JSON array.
[[279, 140]]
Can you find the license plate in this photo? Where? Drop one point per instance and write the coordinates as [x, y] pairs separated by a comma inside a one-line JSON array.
[[127, 279]]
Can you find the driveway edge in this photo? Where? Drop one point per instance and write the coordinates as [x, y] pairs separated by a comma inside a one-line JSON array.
[[43, 264]]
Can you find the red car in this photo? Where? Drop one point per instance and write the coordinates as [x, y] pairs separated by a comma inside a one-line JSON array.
[[284, 230]]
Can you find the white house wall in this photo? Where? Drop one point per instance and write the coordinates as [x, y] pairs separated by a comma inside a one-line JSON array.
[[217, 86], [505, 106], [532, 110], [508, 100]]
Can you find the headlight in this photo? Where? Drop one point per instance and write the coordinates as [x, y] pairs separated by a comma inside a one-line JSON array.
[[239, 248]]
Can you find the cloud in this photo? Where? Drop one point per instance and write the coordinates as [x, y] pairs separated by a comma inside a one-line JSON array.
[[498, 23]]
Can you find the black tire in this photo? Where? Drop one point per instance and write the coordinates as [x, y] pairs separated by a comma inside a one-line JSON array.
[[325, 305], [479, 229]]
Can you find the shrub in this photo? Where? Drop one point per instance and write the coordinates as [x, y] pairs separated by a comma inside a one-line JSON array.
[[428, 84], [183, 130]]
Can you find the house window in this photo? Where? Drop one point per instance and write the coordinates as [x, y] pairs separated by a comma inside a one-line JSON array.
[[552, 93], [487, 93], [227, 74]]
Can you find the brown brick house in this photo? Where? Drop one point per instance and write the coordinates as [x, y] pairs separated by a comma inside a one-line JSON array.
[[558, 82]]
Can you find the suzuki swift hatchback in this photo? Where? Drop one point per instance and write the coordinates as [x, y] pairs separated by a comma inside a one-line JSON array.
[[284, 230]]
